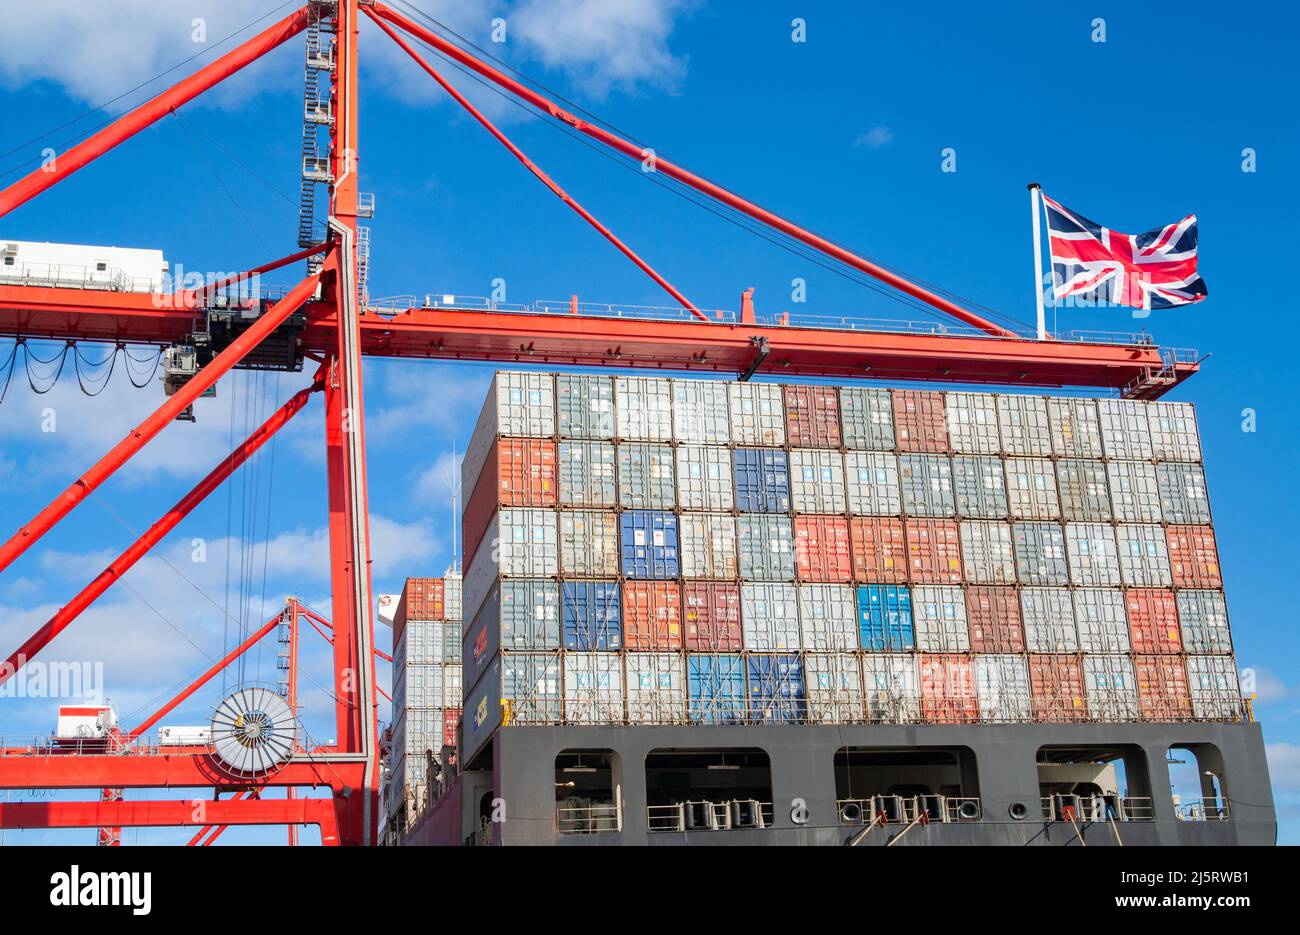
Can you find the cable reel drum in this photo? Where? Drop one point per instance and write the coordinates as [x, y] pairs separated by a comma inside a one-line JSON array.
[[254, 732]]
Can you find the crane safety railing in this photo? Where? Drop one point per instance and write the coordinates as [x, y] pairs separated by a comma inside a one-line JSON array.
[[1208, 808], [1098, 808], [708, 815], [72, 276]]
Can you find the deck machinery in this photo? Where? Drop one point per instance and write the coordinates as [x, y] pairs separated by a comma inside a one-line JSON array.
[[325, 319]]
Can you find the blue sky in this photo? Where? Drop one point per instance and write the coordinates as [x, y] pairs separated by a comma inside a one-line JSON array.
[[844, 133]]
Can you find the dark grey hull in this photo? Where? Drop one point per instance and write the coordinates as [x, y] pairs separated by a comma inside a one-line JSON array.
[[997, 761]]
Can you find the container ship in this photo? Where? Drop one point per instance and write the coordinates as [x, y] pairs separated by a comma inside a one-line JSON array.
[[709, 612]]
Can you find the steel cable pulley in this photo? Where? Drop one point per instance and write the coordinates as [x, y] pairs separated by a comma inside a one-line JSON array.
[[254, 732]]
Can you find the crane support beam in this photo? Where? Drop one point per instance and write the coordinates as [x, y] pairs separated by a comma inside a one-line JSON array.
[[183, 768], [103, 469], [150, 112], [542, 176], [586, 341], [171, 813], [544, 104], [138, 549]]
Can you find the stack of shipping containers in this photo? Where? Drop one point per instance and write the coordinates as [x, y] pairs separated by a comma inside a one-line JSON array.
[[426, 686], [645, 550]]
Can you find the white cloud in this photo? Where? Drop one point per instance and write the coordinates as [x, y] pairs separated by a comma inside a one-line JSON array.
[[1284, 766], [436, 482], [875, 138], [428, 396]]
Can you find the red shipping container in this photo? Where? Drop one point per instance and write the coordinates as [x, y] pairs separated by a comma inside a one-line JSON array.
[[879, 550], [518, 472], [1193, 557], [450, 721], [1153, 620], [933, 551], [652, 615], [948, 689], [920, 423], [994, 618], [1056, 687], [821, 549], [1162, 688], [812, 416], [422, 599], [712, 617]]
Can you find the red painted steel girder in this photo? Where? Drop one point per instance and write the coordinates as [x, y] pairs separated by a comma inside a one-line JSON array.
[[184, 767], [576, 340], [157, 813]]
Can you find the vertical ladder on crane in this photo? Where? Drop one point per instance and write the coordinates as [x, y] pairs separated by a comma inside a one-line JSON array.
[[317, 114]]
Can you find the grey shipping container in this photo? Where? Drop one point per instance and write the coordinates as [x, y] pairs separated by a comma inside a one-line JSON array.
[[757, 413], [986, 552], [707, 543], [643, 408], [867, 416], [701, 413], [1110, 687], [1102, 621], [1040, 554], [1048, 615], [1183, 497], [926, 481], [1203, 621], [584, 405], [1214, 687], [979, 486], [1026, 430], [1133, 491], [517, 616], [645, 477], [891, 687], [1076, 427], [516, 404], [519, 543], [1031, 489], [1002, 687], [588, 475], [765, 543], [1143, 556], [817, 480], [828, 615], [589, 544], [704, 478], [593, 688], [871, 482], [973, 423], [1174, 436], [769, 615], [833, 685], [1094, 559], [939, 617], [1085, 494], [1125, 429], [655, 688]]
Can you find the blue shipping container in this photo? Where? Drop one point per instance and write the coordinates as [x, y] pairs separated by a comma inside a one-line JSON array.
[[776, 688], [649, 539], [762, 480], [885, 618], [715, 688], [593, 616]]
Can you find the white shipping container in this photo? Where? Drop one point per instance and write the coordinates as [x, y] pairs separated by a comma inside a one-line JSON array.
[[1002, 687], [765, 544], [1125, 429], [1203, 621], [584, 405], [927, 485], [1031, 489], [645, 477], [1048, 615], [1110, 687], [979, 487], [1102, 620], [1076, 427], [1025, 428], [644, 408], [986, 552], [1094, 559], [519, 543], [589, 544], [517, 404], [656, 688], [817, 481], [1085, 494], [704, 478], [1143, 556], [1183, 497], [973, 423], [707, 543], [1173, 432], [828, 615], [453, 604], [833, 685], [939, 616], [769, 617], [867, 416], [1133, 491], [587, 474], [701, 414], [757, 414], [891, 687], [871, 478], [1215, 689], [593, 688]]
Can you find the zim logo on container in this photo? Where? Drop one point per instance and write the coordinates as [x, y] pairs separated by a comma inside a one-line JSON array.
[[106, 888]]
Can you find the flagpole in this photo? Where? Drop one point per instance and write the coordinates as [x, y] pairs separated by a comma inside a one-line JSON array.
[[1035, 192]]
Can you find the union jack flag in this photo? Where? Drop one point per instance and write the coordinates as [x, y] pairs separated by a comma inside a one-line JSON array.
[[1100, 266]]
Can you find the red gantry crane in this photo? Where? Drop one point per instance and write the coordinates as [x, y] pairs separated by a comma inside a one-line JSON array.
[[325, 318]]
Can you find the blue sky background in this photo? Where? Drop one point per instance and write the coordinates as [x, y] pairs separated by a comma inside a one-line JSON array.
[[843, 133]]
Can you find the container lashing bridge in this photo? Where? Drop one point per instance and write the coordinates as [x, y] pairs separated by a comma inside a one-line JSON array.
[[326, 318]]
